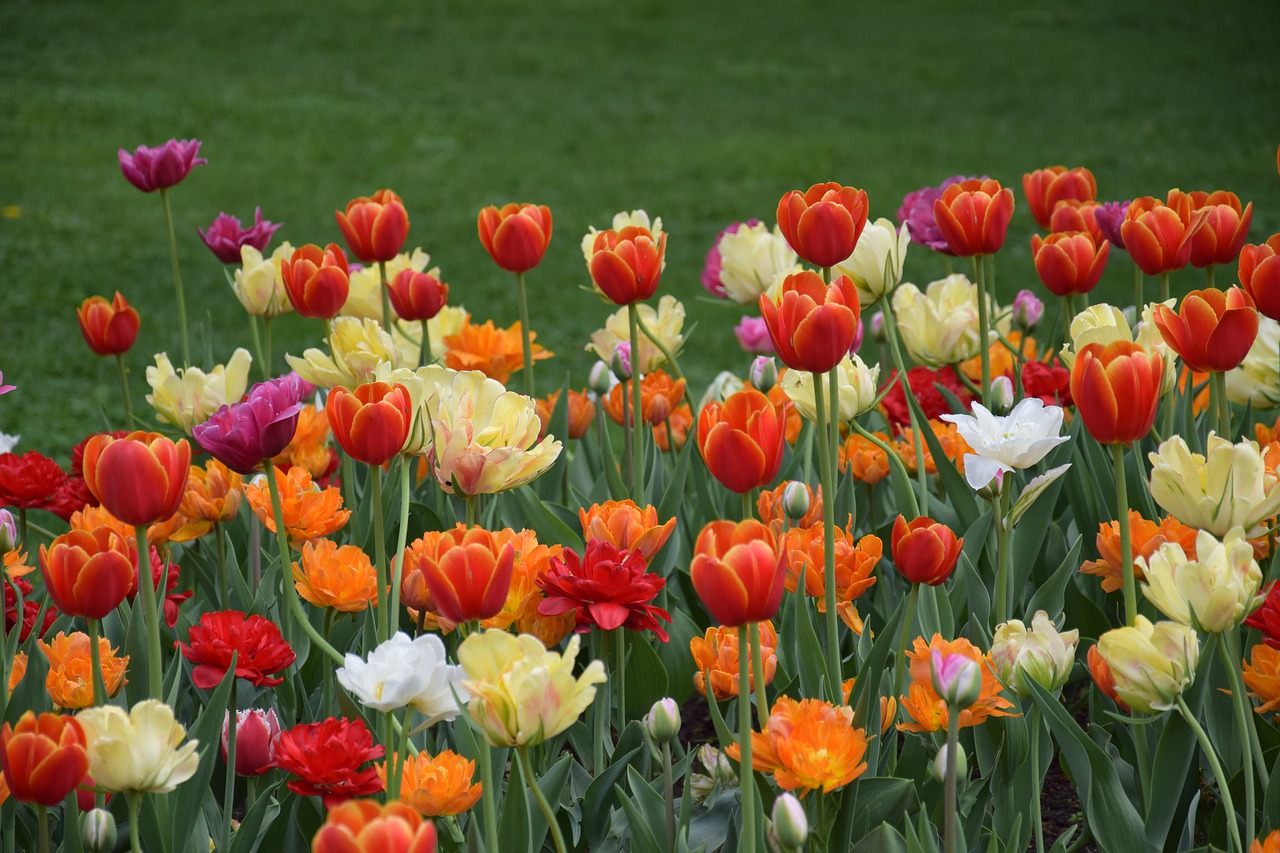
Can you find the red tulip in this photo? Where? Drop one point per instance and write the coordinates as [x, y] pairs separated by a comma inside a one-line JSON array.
[[742, 440], [812, 325], [256, 733], [1116, 388], [823, 223], [140, 478], [417, 295], [515, 236], [470, 581], [973, 216], [1069, 262], [260, 649], [88, 573], [109, 328], [372, 422], [1225, 228], [1044, 188], [44, 757], [1158, 235], [374, 227], [1212, 331], [1071, 215], [317, 280], [1259, 271], [606, 588], [627, 264], [738, 572], [925, 551]]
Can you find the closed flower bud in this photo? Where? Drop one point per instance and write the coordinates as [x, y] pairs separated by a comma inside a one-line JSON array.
[[256, 733], [764, 373], [1211, 593], [1001, 394], [1027, 311], [663, 720], [8, 531], [1151, 663], [877, 328], [98, 831], [790, 823], [956, 678], [601, 379], [796, 499], [620, 361], [1042, 654], [939, 765]]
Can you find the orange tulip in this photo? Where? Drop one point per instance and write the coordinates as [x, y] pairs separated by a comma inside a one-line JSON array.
[[88, 573], [309, 448], [1116, 388], [140, 478], [1262, 677], [44, 757], [1069, 262], [738, 572], [771, 506], [365, 826], [372, 422], [1158, 235], [309, 513], [417, 295], [1145, 539], [863, 459], [812, 325], [627, 264], [582, 411], [469, 578], [1045, 188], [213, 493], [1212, 331], [679, 424], [515, 236], [808, 744], [69, 681], [660, 395], [973, 216], [716, 655], [1259, 271], [742, 440], [109, 328], [823, 223], [436, 786], [317, 280], [374, 227], [854, 563], [925, 551], [17, 669], [497, 353], [341, 577], [1100, 672], [1225, 228], [1072, 215], [626, 526]]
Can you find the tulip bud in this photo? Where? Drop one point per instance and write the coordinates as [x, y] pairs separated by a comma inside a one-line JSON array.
[[601, 379], [98, 831], [790, 823], [620, 362], [663, 720], [877, 328], [764, 373], [939, 765], [1001, 395], [956, 678], [8, 531], [256, 733], [857, 340], [796, 499], [1027, 311]]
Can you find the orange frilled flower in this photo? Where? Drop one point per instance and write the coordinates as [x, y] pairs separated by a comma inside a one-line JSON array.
[[742, 440], [582, 412], [812, 324], [823, 224], [1001, 357], [497, 353], [213, 497], [680, 422], [365, 826], [16, 565], [1212, 330], [436, 786], [626, 526], [309, 448], [660, 396], [1045, 188], [1271, 843], [888, 705], [1262, 677], [310, 512], [716, 654], [1146, 537], [70, 678], [1267, 434], [1158, 235], [808, 744], [770, 507], [1226, 227], [17, 669], [954, 447], [928, 710], [973, 216], [854, 564], [341, 577], [863, 459]]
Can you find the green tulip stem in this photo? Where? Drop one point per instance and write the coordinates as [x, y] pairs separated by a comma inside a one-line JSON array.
[[600, 707], [522, 757], [402, 535], [389, 753], [488, 795], [95, 663], [748, 505], [221, 550], [891, 332], [662, 347], [1218, 384], [669, 794], [124, 391], [1003, 581], [620, 678], [746, 779], [895, 462], [637, 409], [826, 467], [1208, 282], [1037, 816], [1139, 300], [135, 803], [1231, 661], [757, 666], [150, 615], [900, 660], [425, 355], [383, 621], [526, 337], [1224, 792], [266, 355], [177, 278], [949, 797], [1126, 548], [229, 793], [386, 296], [42, 827], [984, 328]]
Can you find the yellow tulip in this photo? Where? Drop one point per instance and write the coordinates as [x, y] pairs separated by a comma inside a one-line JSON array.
[[1042, 654], [1211, 593], [138, 751], [752, 260], [876, 263], [358, 347], [666, 323], [940, 325], [1151, 664], [259, 285], [857, 389], [1227, 487], [188, 396]]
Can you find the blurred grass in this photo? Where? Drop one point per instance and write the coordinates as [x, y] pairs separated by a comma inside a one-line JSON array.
[[702, 113]]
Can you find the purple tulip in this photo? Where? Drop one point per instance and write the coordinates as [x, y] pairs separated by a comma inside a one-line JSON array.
[[1109, 216], [711, 269], [259, 427], [917, 213], [1027, 310], [753, 336], [225, 236], [956, 679], [151, 169]]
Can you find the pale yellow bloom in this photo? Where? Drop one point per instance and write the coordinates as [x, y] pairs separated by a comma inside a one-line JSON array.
[[1042, 654], [1211, 593], [448, 322], [523, 693], [940, 326], [1257, 379], [259, 285], [364, 298], [623, 219], [876, 263], [666, 323], [1105, 324], [857, 388], [1151, 664], [752, 259], [139, 750], [358, 347], [188, 396], [422, 385], [1227, 487]]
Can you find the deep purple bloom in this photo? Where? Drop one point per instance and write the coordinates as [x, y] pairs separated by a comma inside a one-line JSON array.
[[225, 236], [711, 269], [917, 213], [242, 435], [1109, 216], [151, 169]]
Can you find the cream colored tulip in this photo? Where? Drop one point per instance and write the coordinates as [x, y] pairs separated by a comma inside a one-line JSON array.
[[1105, 324], [188, 396], [1151, 664], [358, 347], [858, 388], [1042, 654], [1211, 593], [666, 323], [138, 751], [623, 219], [1257, 379], [940, 325], [876, 263], [752, 258], [259, 285], [423, 385], [448, 322], [1227, 487]]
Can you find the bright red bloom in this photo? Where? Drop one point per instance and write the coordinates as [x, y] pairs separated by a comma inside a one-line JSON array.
[[317, 280], [1225, 228], [1069, 262], [161, 571], [823, 223], [1044, 188], [44, 757], [1116, 388], [812, 325], [29, 481], [607, 588], [30, 609], [925, 551], [1259, 271], [374, 227], [417, 295], [256, 734], [515, 236], [109, 328], [88, 573], [739, 572], [923, 381], [326, 756], [1158, 235], [372, 422], [1050, 382], [151, 169], [1212, 331], [366, 826], [742, 440], [627, 264], [973, 216], [1267, 617], [140, 478], [468, 575], [262, 651]]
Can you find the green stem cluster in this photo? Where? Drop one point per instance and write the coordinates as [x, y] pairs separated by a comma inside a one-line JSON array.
[[746, 778], [637, 409], [1126, 548], [177, 278], [150, 615], [526, 340], [826, 465], [1224, 791]]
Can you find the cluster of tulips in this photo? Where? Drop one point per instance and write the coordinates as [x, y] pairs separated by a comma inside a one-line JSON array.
[[895, 588]]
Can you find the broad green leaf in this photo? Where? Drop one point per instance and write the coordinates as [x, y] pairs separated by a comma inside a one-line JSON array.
[[1049, 597], [646, 677]]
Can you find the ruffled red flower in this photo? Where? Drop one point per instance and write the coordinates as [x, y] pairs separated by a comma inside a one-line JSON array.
[[606, 588], [922, 381], [162, 568], [261, 649], [1267, 617], [326, 756], [1051, 383], [29, 481], [30, 609]]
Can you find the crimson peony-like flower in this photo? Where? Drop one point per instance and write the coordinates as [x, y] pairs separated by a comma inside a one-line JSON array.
[[326, 756], [262, 651], [931, 400], [606, 588], [1267, 617], [29, 481]]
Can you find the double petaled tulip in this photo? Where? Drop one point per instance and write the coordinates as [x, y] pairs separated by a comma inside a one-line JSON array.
[[1116, 389], [515, 236], [1044, 188], [374, 227], [138, 751], [259, 427], [470, 581], [823, 223], [1212, 331], [1225, 228], [416, 295], [256, 733], [627, 264], [925, 551], [1043, 654], [742, 440], [109, 328], [1228, 485], [88, 573], [44, 757], [151, 169], [317, 280], [812, 324], [1259, 271], [738, 572], [372, 422], [364, 826], [1151, 664], [1158, 235], [1069, 262], [140, 478], [973, 216]]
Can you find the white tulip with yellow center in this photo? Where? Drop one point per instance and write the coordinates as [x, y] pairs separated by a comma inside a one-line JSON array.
[[1211, 593], [188, 396], [666, 323], [1229, 486], [857, 388]]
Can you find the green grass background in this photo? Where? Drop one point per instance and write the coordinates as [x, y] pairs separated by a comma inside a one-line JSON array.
[[701, 112]]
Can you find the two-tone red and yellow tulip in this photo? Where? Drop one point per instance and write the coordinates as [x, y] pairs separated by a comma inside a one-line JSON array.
[[109, 328], [372, 422], [1116, 388], [1211, 330], [1259, 272], [925, 551], [1069, 262], [374, 227], [469, 576], [823, 223], [1045, 188], [738, 571], [742, 440], [627, 264], [812, 324], [139, 478], [416, 295], [973, 216], [1157, 234], [1226, 227], [317, 280], [88, 573], [44, 757], [516, 235]]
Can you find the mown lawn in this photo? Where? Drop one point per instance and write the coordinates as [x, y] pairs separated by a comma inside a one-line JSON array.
[[703, 113]]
